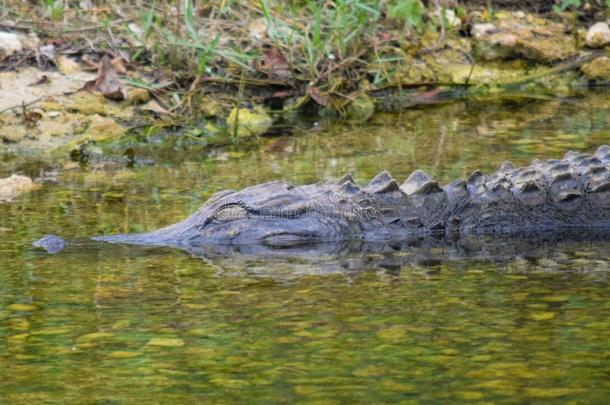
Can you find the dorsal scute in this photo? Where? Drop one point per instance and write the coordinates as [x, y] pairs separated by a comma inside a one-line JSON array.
[[382, 183], [381, 178], [345, 178], [506, 167], [456, 190], [603, 152], [475, 178], [419, 183], [575, 157], [345, 184]]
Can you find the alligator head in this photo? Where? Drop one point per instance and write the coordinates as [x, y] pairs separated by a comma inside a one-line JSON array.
[[279, 214]]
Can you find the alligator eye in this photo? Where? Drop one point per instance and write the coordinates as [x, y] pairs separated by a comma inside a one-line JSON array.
[[231, 213]]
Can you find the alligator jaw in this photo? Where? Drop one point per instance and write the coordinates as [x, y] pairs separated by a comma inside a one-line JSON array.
[[174, 235]]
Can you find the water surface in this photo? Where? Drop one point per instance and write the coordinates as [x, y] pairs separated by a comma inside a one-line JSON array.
[[124, 325]]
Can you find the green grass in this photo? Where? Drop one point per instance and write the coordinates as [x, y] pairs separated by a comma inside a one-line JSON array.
[[331, 48]]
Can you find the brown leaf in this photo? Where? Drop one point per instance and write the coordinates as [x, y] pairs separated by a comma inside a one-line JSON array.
[[107, 81], [316, 94], [154, 107], [283, 94], [275, 64], [428, 97], [90, 65], [119, 65]]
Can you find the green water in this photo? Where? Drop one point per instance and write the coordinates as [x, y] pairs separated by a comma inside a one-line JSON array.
[[127, 325]]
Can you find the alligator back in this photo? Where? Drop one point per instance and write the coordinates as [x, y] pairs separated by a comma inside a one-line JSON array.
[[571, 192]]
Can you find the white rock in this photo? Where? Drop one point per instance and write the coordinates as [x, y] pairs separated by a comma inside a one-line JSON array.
[[12, 186], [452, 19], [480, 30], [598, 35], [48, 51], [9, 44]]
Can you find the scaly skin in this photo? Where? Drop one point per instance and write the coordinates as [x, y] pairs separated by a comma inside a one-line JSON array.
[[547, 197]]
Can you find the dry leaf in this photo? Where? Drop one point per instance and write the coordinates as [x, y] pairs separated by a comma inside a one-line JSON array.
[[275, 64], [317, 96], [107, 81], [154, 107], [119, 65]]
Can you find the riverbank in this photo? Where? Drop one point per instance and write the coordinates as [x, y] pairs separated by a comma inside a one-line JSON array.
[[77, 76]]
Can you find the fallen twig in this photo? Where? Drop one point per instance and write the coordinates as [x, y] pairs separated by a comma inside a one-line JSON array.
[[440, 41], [21, 105], [563, 67]]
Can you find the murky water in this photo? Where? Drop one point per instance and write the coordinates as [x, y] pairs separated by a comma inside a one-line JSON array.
[[120, 324]]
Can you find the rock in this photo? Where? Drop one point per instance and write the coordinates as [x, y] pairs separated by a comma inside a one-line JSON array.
[[14, 134], [11, 187], [210, 107], [247, 122], [452, 19], [87, 103], [48, 51], [491, 73], [514, 36], [361, 109], [9, 44], [51, 243], [91, 103], [598, 35], [478, 31], [66, 65], [101, 128], [138, 95], [598, 69]]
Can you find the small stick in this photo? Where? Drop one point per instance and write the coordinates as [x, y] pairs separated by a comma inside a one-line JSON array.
[[21, 105], [441, 38], [563, 67]]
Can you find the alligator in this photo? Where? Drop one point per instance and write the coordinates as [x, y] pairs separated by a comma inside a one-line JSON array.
[[551, 197]]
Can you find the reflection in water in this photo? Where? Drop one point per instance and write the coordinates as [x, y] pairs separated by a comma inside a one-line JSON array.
[[543, 252], [485, 320]]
